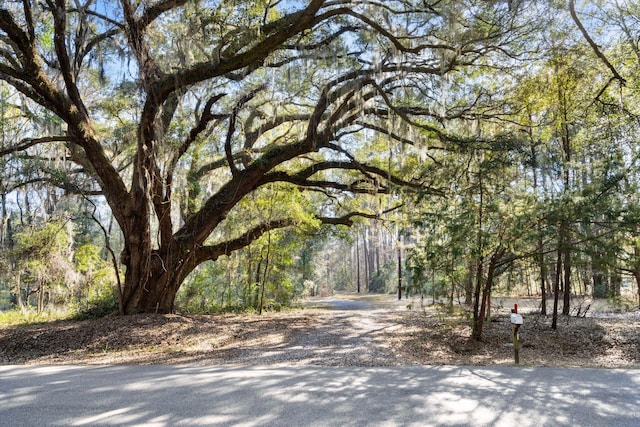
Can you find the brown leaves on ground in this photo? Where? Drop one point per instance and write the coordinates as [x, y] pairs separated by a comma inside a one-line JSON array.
[[380, 336], [146, 338], [577, 342]]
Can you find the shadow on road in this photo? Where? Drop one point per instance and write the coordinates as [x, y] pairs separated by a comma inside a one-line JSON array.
[[251, 396]]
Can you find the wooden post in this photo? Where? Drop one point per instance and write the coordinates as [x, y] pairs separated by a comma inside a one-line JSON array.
[[516, 346]]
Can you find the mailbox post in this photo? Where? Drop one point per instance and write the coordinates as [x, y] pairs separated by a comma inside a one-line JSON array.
[[516, 321]]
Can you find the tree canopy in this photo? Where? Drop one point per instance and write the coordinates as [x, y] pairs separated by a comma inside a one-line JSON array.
[[205, 125]]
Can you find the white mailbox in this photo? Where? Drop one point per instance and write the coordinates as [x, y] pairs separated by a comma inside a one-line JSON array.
[[516, 319]]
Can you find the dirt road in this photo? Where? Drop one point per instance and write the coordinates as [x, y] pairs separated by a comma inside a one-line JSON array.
[[344, 330]]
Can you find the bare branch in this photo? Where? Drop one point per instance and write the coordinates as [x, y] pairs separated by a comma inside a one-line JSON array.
[[594, 46], [210, 253], [30, 142], [372, 174]]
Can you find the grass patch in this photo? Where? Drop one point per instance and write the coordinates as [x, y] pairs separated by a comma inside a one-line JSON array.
[[16, 317]]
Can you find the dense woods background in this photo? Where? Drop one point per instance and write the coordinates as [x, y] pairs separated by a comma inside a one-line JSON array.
[[213, 155]]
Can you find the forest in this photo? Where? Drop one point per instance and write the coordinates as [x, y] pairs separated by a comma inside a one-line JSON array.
[[198, 156]]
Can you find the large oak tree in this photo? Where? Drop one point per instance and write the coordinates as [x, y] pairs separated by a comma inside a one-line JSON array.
[[174, 111]]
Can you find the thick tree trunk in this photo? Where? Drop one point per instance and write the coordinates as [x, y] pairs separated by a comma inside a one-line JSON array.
[[151, 292], [152, 277]]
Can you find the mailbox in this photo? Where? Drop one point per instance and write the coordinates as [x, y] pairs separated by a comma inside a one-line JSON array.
[[516, 319]]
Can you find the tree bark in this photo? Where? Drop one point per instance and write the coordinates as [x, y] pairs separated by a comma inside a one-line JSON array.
[[468, 285], [556, 291], [477, 316], [478, 324], [636, 276], [566, 302], [543, 274], [358, 262], [366, 258], [399, 267]]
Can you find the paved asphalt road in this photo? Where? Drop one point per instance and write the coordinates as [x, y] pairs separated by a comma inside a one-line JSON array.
[[317, 396]]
